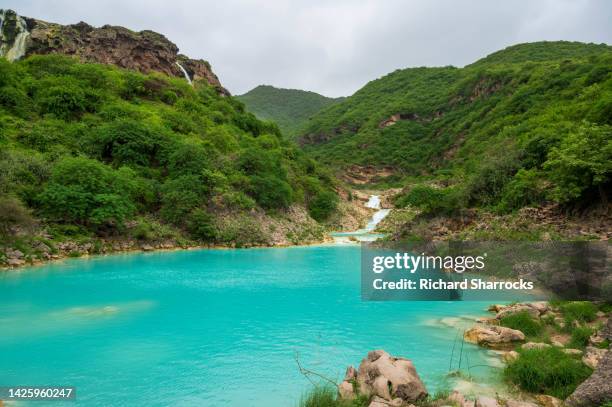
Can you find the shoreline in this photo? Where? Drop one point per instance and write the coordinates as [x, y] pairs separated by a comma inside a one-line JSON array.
[[139, 250]]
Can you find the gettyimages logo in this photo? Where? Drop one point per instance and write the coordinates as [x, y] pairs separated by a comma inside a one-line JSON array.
[[485, 271]]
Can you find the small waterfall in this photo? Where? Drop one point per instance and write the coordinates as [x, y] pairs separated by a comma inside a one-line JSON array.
[[366, 234], [185, 73], [17, 49], [374, 203]]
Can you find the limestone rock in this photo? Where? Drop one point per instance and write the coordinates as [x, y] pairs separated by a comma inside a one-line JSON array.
[[380, 402], [533, 309], [146, 247], [493, 336], [514, 403], [15, 262], [484, 401], [597, 389], [383, 375], [510, 356], [535, 345], [593, 355], [548, 401], [573, 352]]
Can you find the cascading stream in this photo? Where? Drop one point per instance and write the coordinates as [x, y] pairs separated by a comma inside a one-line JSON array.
[[17, 49], [185, 73]]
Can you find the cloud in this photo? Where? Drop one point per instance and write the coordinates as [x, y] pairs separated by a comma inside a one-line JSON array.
[[335, 47]]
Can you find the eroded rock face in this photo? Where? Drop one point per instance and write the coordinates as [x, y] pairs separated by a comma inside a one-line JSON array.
[[493, 336], [145, 51], [382, 375]]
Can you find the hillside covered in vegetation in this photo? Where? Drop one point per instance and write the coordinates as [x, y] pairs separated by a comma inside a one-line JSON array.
[[89, 150], [289, 108], [524, 126]]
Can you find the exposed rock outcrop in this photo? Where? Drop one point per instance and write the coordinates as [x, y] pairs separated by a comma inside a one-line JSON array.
[[597, 389], [384, 376], [593, 356], [535, 309], [493, 336], [145, 51]]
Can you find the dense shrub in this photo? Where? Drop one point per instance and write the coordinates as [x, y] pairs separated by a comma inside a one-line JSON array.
[[430, 200], [13, 213], [547, 371], [322, 205], [270, 191], [180, 196], [201, 226], [87, 192], [127, 141], [582, 162]]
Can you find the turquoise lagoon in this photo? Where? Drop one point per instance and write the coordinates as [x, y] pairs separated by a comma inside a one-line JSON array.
[[215, 327]]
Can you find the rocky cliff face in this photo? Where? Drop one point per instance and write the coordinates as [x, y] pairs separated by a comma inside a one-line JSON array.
[[144, 51]]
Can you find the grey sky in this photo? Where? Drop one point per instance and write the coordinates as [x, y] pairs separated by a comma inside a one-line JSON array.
[[334, 47]]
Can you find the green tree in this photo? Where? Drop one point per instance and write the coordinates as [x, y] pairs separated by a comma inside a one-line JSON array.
[[582, 162], [87, 192]]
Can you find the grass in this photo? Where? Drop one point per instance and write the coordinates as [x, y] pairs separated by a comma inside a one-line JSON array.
[[326, 396], [524, 323], [548, 371], [581, 311], [580, 337]]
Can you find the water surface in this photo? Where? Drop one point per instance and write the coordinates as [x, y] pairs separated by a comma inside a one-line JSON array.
[[213, 327]]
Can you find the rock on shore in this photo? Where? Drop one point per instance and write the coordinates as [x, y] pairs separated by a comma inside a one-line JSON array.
[[392, 379]]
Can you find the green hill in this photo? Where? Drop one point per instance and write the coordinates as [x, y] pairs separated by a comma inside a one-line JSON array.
[[289, 108], [93, 150], [527, 124]]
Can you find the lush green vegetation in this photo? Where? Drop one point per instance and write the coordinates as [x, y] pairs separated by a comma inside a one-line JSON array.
[[289, 108], [547, 371], [91, 147], [527, 125], [524, 322]]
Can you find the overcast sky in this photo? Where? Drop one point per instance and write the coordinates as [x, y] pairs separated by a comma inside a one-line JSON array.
[[334, 47]]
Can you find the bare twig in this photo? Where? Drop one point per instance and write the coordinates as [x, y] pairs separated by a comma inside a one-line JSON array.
[[308, 373]]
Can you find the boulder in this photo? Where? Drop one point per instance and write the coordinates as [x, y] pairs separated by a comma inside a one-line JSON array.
[[510, 356], [146, 247], [514, 403], [535, 345], [383, 375], [573, 352], [15, 262], [484, 401], [548, 401], [346, 389], [532, 310], [493, 336], [593, 355], [380, 402], [597, 389]]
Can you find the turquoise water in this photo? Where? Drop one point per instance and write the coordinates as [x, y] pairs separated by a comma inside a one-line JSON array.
[[212, 327]]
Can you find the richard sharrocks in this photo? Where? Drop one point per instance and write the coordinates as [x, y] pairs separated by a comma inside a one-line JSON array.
[[439, 284], [474, 284]]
